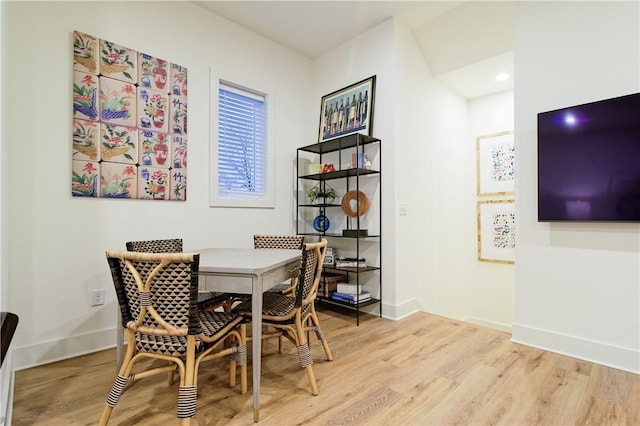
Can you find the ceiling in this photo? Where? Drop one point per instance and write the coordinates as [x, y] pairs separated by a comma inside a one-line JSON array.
[[465, 43]]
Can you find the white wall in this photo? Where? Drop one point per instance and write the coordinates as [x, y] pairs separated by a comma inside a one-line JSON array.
[[57, 242], [490, 286], [431, 177], [576, 285], [4, 288], [370, 53], [425, 164], [6, 372], [434, 174]]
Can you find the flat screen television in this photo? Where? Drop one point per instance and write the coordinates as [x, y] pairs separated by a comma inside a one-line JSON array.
[[589, 162]]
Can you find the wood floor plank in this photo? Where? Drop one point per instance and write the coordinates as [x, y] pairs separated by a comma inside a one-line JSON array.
[[612, 397], [421, 370]]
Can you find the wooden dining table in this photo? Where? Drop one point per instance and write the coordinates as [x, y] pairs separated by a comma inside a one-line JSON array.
[[245, 271], [248, 271]]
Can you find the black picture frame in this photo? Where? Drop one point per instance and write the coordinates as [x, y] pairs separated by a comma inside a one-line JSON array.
[[348, 110]]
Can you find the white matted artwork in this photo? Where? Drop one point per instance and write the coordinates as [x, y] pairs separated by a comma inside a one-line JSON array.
[[496, 231], [495, 163]]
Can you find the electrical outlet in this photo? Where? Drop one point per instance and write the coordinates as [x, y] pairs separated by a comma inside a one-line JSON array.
[[97, 297]]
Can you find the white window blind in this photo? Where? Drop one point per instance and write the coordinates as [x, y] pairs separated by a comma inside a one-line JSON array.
[[242, 143]]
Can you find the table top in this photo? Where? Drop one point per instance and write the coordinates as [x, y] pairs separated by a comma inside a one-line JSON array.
[[245, 260]]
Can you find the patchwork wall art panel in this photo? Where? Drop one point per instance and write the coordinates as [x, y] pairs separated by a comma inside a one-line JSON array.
[[117, 102], [85, 179], [85, 140], [118, 62], [154, 182], [118, 180], [118, 144], [129, 123], [153, 109]]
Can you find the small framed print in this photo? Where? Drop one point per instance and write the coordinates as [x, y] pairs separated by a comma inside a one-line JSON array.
[[329, 258], [496, 231], [495, 164]]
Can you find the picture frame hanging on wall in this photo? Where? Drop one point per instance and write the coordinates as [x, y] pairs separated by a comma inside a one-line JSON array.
[[348, 110], [496, 231], [495, 164]]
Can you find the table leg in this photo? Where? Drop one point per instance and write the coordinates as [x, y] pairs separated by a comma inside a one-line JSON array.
[[256, 332]]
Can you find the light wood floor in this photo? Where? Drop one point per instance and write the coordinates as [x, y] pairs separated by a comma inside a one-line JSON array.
[[422, 370]]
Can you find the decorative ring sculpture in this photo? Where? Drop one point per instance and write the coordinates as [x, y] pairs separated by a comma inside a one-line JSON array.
[[362, 203]]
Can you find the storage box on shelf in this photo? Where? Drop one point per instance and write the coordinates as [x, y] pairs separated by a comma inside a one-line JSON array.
[[329, 283], [352, 165]]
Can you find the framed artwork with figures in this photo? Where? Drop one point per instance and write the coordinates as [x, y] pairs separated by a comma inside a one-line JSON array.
[[348, 110]]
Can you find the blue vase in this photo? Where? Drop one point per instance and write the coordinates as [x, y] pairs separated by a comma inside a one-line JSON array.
[[321, 223]]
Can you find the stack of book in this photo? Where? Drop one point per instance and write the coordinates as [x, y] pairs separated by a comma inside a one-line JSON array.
[[350, 262], [350, 293], [351, 298]]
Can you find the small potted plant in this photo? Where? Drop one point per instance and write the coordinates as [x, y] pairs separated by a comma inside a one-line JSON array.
[[323, 194]]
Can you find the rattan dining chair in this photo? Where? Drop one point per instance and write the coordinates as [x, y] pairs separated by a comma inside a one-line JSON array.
[[263, 241], [206, 299], [157, 294], [293, 242], [283, 241], [288, 314]]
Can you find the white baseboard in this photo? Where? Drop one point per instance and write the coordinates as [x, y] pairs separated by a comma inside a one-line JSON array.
[[68, 347], [627, 359], [398, 312], [489, 324]]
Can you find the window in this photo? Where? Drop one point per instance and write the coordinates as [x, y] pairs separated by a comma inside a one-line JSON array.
[[242, 166]]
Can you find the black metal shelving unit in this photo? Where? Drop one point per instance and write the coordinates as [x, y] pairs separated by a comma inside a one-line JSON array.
[[358, 144]]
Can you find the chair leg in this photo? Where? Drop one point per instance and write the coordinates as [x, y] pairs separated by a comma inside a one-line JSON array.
[[118, 386], [188, 392], [312, 380], [320, 334], [232, 364], [106, 413], [306, 361], [243, 358], [265, 330], [114, 396]]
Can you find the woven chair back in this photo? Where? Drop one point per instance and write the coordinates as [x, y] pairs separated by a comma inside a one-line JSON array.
[[294, 242], [173, 245], [157, 293], [310, 272]]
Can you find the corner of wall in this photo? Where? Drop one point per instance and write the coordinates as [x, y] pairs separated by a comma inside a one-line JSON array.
[[403, 310]]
